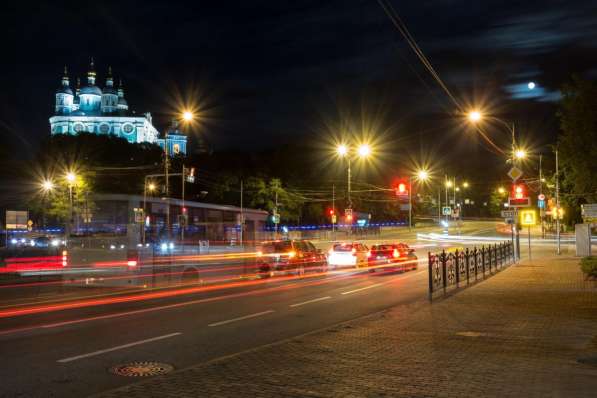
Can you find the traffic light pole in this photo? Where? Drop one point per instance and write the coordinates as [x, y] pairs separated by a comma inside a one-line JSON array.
[[410, 202]]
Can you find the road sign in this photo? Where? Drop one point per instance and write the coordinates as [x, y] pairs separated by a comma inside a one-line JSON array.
[[16, 219], [446, 210], [541, 204], [589, 212], [541, 196], [508, 213], [528, 217], [519, 202], [515, 173]]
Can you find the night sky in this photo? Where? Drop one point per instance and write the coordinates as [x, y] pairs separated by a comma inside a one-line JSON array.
[[262, 73]]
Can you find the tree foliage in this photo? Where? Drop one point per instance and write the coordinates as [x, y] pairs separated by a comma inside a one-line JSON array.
[[577, 144]]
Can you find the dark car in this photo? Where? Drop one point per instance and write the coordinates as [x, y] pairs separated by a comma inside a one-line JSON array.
[[397, 256], [289, 256]]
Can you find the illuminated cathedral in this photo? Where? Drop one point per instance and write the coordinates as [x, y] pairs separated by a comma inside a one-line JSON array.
[[106, 111]]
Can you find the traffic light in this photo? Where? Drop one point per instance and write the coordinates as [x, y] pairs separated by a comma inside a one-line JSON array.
[[331, 212], [519, 196], [401, 188], [518, 191]]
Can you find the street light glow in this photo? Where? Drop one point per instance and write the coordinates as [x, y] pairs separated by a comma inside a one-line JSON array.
[[47, 185], [449, 184], [422, 175], [187, 116], [465, 184], [474, 116], [151, 187], [520, 154], [342, 150], [71, 177], [501, 190], [364, 150]]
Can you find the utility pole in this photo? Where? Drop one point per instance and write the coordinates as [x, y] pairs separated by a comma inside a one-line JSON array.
[[334, 217], [349, 177], [541, 210], [167, 185], [439, 205], [410, 202], [276, 219], [446, 186], [242, 216], [558, 203], [183, 220]]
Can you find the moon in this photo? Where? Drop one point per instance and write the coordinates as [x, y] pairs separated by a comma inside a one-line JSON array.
[[531, 85]]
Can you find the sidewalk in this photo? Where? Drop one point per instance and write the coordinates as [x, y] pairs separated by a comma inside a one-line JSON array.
[[519, 334]]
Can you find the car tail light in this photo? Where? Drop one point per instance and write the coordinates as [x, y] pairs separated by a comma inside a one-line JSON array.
[[396, 253]]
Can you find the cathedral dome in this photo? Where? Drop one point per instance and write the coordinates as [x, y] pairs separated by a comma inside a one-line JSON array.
[[64, 90], [94, 90], [109, 90]]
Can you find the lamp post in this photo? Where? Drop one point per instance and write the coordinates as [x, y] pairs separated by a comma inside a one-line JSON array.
[[363, 151], [71, 179], [421, 175], [151, 187]]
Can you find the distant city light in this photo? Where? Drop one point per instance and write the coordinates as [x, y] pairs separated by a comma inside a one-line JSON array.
[[531, 85]]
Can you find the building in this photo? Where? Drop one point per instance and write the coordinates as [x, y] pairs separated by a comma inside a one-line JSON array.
[[106, 111], [218, 224]]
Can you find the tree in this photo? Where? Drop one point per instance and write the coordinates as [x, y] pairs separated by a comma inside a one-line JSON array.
[[262, 194], [59, 199], [496, 202], [577, 145]]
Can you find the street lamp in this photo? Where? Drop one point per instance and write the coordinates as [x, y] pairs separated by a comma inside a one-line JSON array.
[[501, 190], [71, 178], [47, 185], [187, 116], [363, 151], [421, 176], [465, 184], [147, 187], [520, 154], [474, 116]]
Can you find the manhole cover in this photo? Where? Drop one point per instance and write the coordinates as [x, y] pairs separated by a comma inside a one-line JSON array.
[[141, 369]]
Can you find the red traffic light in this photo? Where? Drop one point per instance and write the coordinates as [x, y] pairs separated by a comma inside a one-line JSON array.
[[519, 191], [401, 188], [331, 211]]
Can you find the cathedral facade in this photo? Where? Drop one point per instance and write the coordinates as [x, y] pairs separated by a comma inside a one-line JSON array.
[[106, 111]]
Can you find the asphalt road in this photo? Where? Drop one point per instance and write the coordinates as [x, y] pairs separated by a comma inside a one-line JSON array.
[[67, 353]]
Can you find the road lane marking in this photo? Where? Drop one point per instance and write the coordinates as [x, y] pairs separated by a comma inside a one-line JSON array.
[[310, 301], [120, 347], [363, 288], [240, 318]]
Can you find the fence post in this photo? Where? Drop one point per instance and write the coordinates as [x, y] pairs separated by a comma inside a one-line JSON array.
[[483, 260], [467, 264], [430, 276], [457, 268], [443, 262]]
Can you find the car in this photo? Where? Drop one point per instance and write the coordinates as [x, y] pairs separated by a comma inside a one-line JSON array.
[[397, 256], [347, 254], [289, 256]]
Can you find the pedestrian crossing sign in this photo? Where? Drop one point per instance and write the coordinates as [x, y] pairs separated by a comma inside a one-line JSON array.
[[528, 217]]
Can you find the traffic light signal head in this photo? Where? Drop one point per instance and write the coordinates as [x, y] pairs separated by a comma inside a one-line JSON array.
[[331, 212], [401, 188], [519, 191]]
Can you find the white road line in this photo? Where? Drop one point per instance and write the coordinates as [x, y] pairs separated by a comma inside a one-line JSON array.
[[240, 318], [363, 288], [310, 301], [120, 347]]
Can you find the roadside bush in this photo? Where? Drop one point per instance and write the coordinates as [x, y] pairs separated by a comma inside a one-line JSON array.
[[588, 265]]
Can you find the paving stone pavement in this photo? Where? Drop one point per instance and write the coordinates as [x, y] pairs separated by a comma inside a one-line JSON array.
[[517, 334]]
